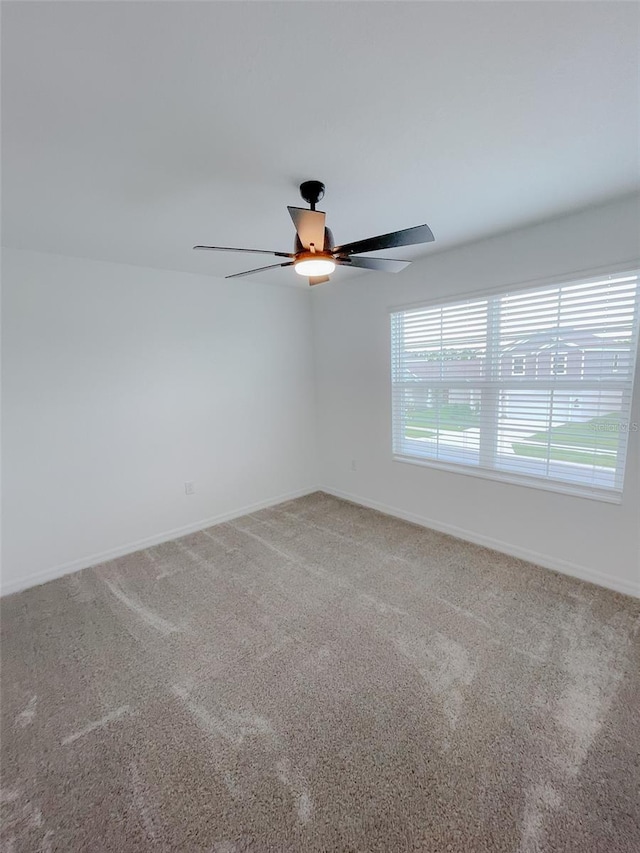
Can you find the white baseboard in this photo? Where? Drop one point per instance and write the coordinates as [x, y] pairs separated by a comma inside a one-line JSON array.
[[545, 560], [563, 566], [95, 559]]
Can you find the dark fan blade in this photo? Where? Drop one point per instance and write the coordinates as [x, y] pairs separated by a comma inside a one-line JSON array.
[[260, 269], [318, 279], [251, 251], [309, 225], [408, 237], [384, 264]]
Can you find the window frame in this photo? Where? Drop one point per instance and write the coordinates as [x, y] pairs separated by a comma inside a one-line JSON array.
[[604, 494]]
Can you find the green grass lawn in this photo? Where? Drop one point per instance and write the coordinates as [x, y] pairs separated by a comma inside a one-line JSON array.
[[419, 432], [593, 442], [421, 423]]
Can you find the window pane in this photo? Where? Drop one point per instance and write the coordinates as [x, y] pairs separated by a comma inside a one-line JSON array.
[[443, 343], [440, 423], [565, 435]]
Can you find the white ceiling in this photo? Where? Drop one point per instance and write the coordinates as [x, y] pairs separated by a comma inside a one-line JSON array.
[[132, 131]]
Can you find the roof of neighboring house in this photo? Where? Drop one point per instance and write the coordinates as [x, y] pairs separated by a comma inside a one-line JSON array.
[[568, 337]]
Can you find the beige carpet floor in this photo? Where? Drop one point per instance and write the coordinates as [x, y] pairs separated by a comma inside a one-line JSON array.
[[320, 677]]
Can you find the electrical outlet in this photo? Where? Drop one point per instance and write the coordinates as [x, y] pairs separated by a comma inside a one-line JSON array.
[[190, 488]]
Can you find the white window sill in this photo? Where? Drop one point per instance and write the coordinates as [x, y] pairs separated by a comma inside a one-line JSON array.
[[575, 490]]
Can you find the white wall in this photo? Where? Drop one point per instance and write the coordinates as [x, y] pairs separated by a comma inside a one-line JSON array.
[[591, 539], [121, 383]]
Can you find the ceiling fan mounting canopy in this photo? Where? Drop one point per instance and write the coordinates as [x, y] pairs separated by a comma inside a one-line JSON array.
[[312, 192], [314, 252]]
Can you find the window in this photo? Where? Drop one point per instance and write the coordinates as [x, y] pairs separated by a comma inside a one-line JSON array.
[[518, 365], [559, 363], [461, 398]]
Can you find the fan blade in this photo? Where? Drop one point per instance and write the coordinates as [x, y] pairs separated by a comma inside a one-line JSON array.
[[408, 237], [318, 279], [251, 251], [260, 269], [384, 264], [309, 225]]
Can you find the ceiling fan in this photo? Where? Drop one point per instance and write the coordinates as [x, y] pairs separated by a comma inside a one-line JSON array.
[[315, 255]]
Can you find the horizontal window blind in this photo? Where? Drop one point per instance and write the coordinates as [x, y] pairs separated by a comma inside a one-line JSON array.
[[530, 386]]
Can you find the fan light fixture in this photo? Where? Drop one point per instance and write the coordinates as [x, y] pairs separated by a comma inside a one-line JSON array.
[[313, 264]]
